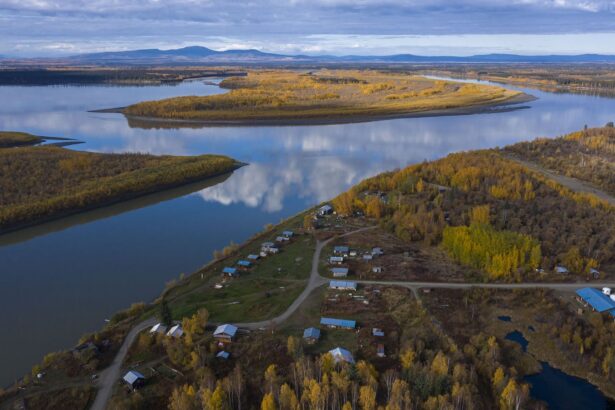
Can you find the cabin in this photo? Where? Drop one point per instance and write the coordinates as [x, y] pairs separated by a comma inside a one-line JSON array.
[[158, 328], [244, 263], [336, 260], [343, 285], [311, 335], [561, 270], [380, 350], [325, 210], [341, 250], [176, 331], [338, 323], [341, 355], [223, 355], [230, 271], [134, 379], [288, 234], [339, 272], [377, 332], [225, 333], [253, 257]]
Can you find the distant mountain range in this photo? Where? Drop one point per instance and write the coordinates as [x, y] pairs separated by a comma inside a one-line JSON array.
[[204, 55]]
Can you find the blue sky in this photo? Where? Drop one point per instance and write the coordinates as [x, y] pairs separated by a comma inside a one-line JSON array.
[[369, 27]]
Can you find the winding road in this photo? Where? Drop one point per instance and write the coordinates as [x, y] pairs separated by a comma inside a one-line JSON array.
[[110, 375]]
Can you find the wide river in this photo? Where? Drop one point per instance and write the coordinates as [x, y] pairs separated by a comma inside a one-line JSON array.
[[62, 279]]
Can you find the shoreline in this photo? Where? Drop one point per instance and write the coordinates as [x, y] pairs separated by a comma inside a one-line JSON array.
[[484, 108]]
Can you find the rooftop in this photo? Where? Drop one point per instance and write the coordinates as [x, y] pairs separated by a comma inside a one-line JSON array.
[[597, 299], [311, 332], [342, 284], [132, 376], [328, 321], [226, 329]]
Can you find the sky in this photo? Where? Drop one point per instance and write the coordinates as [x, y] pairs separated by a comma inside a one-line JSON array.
[[31, 28]]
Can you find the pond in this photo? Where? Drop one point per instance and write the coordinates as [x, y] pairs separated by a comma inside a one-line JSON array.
[[62, 279], [518, 337]]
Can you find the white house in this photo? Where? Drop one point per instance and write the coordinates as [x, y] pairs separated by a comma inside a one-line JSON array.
[[176, 331]]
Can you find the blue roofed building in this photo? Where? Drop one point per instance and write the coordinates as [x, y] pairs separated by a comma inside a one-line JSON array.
[[230, 271], [341, 250], [599, 301], [244, 264], [134, 379], [311, 335], [339, 272], [338, 323], [342, 285], [223, 355]]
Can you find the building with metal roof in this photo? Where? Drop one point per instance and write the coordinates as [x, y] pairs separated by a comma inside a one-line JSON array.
[[158, 328], [223, 355], [134, 379], [325, 210], [311, 334], [253, 257], [244, 264], [341, 355], [597, 300], [335, 323], [336, 260], [339, 272], [342, 285], [225, 332], [288, 234], [176, 331], [340, 250], [229, 271], [561, 270]]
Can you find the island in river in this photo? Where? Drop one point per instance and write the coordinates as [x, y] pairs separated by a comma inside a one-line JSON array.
[[325, 96], [44, 182]]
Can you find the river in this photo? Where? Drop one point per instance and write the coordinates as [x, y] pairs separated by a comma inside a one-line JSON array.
[[62, 279]]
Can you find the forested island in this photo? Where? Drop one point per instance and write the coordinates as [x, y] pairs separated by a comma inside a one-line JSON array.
[[39, 183], [443, 261], [266, 97]]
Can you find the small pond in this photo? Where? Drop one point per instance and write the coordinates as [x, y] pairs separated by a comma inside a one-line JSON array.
[[505, 318], [518, 337]]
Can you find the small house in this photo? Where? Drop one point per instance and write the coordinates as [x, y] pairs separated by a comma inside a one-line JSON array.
[[223, 355], [325, 210], [343, 285], [282, 239], [377, 251], [380, 350], [158, 328], [561, 270], [176, 331], [338, 323], [134, 379], [288, 234], [244, 263], [339, 272], [341, 355], [253, 257], [368, 257], [341, 250], [230, 271], [311, 335], [336, 260], [377, 332], [225, 333]]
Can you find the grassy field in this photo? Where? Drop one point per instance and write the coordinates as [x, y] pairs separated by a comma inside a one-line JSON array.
[[322, 95], [15, 139], [41, 183]]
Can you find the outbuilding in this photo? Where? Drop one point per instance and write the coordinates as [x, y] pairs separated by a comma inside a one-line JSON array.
[[341, 355], [377, 251], [225, 333], [377, 332], [134, 379], [223, 355], [311, 335], [338, 323], [561, 270], [325, 210], [288, 234], [336, 260], [158, 328], [244, 263], [230, 271], [343, 285], [176, 331], [380, 350], [253, 257], [341, 250], [339, 272]]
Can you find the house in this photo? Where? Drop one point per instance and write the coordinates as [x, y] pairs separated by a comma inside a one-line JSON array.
[[377, 251], [377, 269], [561, 270], [336, 260], [380, 350], [230, 271], [338, 323], [377, 332], [599, 301], [341, 250], [176, 331], [158, 328], [282, 239], [368, 257], [223, 355], [288, 234], [225, 333], [339, 272], [134, 379], [341, 355], [343, 285], [244, 263], [311, 335], [325, 210], [253, 257]]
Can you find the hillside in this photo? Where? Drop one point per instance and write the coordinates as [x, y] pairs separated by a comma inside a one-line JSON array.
[[324, 96]]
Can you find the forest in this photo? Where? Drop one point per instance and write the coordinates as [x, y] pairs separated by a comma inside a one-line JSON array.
[[324, 94], [588, 155], [533, 221], [39, 183]]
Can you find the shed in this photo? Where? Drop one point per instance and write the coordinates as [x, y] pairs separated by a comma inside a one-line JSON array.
[[244, 263], [281, 239], [267, 245], [377, 269], [338, 323], [225, 333], [288, 234], [343, 285], [596, 299], [311, 335], [341, 355], [561, 270], [336, 260], [377, 251], [339, 272], [368, 257], [158, 328], [176, 331], [325, 210], [380, 350], [377, 332], [253, 257], [223, 355], [230, 271], [341, 250], [134, 379]]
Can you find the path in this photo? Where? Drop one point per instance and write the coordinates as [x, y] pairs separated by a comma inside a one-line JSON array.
[[573, 184]]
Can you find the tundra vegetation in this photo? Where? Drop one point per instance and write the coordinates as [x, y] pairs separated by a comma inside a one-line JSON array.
[[10, 139], [39, 183], [324, 95]]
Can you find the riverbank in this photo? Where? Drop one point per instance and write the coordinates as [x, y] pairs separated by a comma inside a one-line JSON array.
[[325, 97], [46, 183]]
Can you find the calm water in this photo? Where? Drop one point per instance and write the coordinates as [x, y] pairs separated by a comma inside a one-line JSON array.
[[60, 280]]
